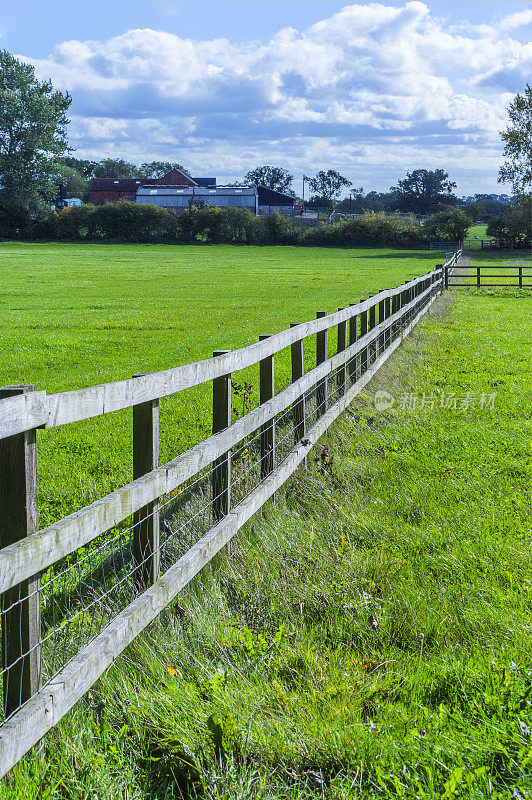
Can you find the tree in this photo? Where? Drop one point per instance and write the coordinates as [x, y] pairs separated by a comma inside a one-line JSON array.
[[32, 137], [156, 169], [276, 178], [353, 204], [517, 138], [447, 226], [484, 207], [328, 186], [424, 191], [116, 168], [514, 226], [75, 183], [82, 165]]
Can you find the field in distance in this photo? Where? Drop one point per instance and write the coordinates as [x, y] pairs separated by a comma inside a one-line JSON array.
[[76, 315]]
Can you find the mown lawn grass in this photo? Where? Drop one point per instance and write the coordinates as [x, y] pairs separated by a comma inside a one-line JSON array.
[[73, 316], [370, 635]]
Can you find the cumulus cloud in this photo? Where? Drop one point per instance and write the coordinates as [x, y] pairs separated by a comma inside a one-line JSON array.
[[372, 84]]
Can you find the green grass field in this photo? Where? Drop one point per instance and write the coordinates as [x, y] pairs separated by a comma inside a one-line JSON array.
[[73, 316], [370, 636], [498, 267], [472, 243]]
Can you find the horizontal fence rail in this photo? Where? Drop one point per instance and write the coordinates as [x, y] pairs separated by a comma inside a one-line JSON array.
[[76, 593], [508, 275]]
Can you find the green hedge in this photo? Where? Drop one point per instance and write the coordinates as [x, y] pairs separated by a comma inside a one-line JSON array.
[[132, 222]]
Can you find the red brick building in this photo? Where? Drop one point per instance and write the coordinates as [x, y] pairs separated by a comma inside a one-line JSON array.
[[107, 190]]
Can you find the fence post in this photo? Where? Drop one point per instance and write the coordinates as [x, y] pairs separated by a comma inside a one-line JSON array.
[[395, 309], [363, 331], [404, 301], [146, 552], [267, 431], [342, 344], [352, 339], [373, 344], [221, 419], [298, 370], [520, 277], [20, 605], [478, 277], [321, 356], [382, 312], [387, 314]]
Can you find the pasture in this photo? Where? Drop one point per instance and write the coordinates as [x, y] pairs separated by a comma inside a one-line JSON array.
[[77, 315], [370, 635], [472, 243], [496, 267]]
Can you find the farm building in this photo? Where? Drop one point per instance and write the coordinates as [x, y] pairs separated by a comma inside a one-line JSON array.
[[270, 200], [181, 197], [108, 190], [176, 189]]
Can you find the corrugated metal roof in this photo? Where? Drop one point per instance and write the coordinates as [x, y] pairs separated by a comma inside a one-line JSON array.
[[231, 191]]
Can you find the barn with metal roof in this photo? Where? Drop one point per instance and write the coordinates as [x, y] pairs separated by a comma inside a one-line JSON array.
[[182, 197]]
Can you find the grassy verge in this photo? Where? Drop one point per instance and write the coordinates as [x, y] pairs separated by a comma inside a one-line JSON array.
[[495, 263], [370, 636], [77, 315]]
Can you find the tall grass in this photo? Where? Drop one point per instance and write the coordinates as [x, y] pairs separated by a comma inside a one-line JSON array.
[[369, 635]]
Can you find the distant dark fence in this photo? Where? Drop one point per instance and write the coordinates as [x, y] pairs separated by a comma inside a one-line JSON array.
[[76, 593], [481, 275]]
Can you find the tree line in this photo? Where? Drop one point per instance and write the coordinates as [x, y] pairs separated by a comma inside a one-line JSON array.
[[34, 156]]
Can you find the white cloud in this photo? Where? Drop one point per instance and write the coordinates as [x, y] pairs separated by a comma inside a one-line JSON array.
[[371, 84], [517, 20]]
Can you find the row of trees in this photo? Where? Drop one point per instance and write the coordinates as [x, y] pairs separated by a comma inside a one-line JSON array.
[[422, 191]]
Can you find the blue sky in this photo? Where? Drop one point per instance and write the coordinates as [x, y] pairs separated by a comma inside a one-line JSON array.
[[369, 88]]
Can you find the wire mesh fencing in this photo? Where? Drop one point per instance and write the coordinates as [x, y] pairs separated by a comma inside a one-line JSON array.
[[49, 620]]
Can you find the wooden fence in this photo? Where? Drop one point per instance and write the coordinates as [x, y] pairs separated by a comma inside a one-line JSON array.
[[77, 592], [512, 275]]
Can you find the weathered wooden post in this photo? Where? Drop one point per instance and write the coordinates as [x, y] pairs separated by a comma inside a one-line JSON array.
[[20, 605], [520, 277], [352, 339], [298, 370], [221, 419], [146, 550], [395, 308], [404, 301], [342, 344], [410, 299], [267, 431], [380, 347], [321, 356], [363, 332], [387, 315], [478, 277], [373, 345]]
